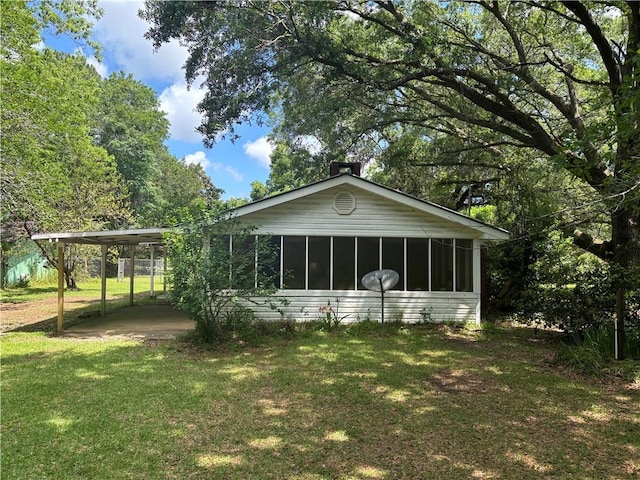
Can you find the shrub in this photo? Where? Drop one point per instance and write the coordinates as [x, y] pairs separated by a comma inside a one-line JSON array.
[[214, 283], [570, 307], [590, 350], [573, 290], [586, 359]]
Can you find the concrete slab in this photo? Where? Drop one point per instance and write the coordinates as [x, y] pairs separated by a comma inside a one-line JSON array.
[[146, 322]]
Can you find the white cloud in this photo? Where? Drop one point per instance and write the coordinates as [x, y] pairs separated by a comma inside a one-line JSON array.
[[180, 103], [199, 158], [234, 173], [100, 67], [229, 170], [121, 32], [260, 150]]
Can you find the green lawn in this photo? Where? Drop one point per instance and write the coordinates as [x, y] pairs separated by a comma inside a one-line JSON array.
[[408, 403], [91, 286]]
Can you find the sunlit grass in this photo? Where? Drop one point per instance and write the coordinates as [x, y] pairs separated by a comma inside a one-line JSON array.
[[88, 287], [417, 404]]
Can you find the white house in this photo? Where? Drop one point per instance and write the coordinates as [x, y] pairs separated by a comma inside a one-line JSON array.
[[330, 233]]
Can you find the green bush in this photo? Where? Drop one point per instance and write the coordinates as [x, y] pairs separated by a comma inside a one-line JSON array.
[[574, 291], [570, 307], [214, 283], [591, 350]]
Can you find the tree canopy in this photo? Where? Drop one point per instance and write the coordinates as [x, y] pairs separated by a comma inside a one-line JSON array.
[[559, 79], [550, 82], [53, 176], [81, 153], [131, 127]]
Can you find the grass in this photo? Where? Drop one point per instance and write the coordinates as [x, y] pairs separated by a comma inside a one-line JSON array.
[[353, 404], [88, 287]]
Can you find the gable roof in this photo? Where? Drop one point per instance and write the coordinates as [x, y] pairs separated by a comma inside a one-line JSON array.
[[488, 232]]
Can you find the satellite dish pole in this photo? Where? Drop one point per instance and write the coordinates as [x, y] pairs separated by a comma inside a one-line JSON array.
[[381, 301], [381, 281]]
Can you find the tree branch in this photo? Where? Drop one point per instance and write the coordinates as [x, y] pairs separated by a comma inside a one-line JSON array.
[[602, 44], [602, 249], [569, 74], [633, 41]]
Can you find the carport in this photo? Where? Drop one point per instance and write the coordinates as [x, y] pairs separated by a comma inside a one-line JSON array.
[[151, 237]]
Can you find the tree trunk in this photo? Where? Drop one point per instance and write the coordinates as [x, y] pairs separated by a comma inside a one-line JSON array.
[[625, 236], [70, 279]]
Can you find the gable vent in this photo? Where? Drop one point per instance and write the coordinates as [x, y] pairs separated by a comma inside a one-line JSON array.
[[344, 203]]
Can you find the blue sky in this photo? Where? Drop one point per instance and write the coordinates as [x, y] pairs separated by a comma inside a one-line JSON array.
[[231, 166]]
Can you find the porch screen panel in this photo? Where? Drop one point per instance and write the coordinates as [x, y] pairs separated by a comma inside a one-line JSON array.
[[294, 262], [222, 245], [368, 257], [269, 261], [319, 263], [344, 263], [464, 265], [418, 264], [243, 261], [442, 264], [393, 258]]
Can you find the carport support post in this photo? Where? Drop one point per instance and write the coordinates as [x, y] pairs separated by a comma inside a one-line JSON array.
[[164, 270], [132, 265], [479, 274], [103, 277], [153, 267], [60, 246]]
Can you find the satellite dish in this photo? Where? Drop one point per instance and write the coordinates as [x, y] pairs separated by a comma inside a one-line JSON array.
[[381, 281]]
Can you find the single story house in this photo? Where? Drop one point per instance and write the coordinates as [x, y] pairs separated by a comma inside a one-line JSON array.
[[329, 234]]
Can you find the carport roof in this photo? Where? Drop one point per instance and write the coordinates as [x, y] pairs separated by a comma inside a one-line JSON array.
[[107, 237]]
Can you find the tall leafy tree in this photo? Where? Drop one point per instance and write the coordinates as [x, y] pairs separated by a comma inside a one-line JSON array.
[[53, 176], [79, 152], [558, 79], [132, 128], [130, 125], [183, 190]]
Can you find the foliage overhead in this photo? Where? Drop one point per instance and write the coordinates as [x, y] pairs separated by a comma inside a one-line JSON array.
[[81, 153], [557, 81]]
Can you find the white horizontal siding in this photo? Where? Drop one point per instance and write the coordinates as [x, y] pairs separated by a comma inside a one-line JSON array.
[[361, 305], [373, 216]]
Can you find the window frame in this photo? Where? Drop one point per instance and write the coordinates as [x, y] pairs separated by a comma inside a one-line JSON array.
[[469, 243]]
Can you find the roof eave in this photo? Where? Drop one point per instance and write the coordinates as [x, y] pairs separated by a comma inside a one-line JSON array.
[[106, 237]]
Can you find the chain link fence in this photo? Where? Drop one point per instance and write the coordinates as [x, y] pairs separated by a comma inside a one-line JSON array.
[[142, 267]]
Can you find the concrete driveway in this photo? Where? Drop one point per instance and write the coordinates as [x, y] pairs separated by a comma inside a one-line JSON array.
[[147, 322]]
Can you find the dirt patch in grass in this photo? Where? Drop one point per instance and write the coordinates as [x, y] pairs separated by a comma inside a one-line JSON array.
[[35, 308], [39, 314], [458, 381]]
